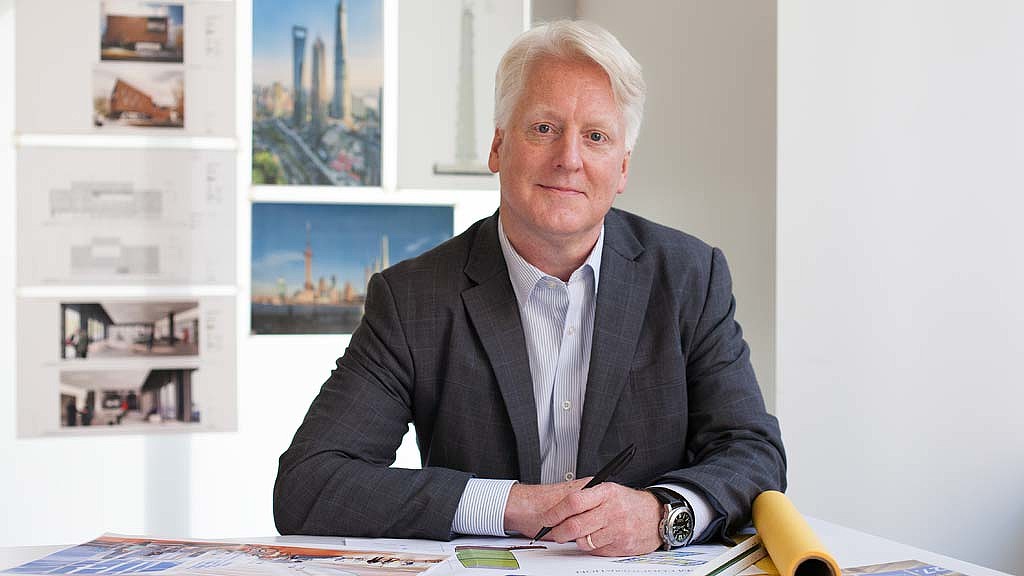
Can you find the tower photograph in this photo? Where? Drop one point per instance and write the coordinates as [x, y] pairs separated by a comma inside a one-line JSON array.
[[445, 132]]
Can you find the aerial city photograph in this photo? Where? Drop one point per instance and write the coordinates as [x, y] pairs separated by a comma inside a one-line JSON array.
[[317, 73]]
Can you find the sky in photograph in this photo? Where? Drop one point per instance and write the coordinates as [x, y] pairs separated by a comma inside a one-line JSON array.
[[345, 239], [272, 41]]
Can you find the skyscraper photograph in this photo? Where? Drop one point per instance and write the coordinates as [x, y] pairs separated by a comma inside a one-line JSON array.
[[453, 47], [317, 74]]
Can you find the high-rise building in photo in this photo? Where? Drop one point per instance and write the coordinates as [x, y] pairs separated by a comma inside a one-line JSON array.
[[298, 62], [466, 161], [341, 105], [465, 140], [308, 257], [318, 95]]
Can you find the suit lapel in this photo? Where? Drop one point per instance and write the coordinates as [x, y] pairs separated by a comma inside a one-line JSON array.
[[494, 312], [623, 292]]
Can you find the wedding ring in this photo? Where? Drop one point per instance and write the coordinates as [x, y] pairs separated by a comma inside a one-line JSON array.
[[590, 542]]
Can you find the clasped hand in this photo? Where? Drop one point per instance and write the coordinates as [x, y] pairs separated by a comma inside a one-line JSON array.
[[620, 521]]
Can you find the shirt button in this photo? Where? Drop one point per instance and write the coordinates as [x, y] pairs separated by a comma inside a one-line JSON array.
[[566, 405], [569, 476], [571, 331]]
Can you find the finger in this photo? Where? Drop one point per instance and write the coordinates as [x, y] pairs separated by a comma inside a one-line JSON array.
[[577, 527], [573, 504], [570, 505], [601, 539]]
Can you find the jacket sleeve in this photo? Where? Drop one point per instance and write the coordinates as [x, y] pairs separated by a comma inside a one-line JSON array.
[[734, 446], [335, 477]]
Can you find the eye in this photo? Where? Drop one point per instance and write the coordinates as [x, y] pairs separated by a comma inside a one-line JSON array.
[[596, 137], [544, 128]]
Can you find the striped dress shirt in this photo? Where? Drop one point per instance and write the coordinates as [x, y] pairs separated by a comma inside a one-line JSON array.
[[558, 325]]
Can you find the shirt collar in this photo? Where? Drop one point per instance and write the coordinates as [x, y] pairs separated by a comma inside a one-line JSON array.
[[524, 276]]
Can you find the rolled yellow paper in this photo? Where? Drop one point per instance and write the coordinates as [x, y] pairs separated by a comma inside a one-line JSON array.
[[791, 544]]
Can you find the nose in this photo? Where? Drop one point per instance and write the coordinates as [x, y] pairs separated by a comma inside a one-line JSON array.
[[567, 156]]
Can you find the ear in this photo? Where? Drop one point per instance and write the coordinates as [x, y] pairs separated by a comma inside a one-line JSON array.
[[625, 172], [493, 160]]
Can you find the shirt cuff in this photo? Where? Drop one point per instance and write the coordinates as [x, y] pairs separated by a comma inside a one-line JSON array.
[[703, 513], [481, 510]]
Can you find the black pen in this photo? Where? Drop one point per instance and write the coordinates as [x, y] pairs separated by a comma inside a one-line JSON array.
[[610, 469]]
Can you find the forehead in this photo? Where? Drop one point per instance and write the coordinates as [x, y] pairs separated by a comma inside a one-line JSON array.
[[558, 83]]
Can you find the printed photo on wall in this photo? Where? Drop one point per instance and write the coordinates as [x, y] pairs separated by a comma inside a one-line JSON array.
[[142, 31], [129, 398], [317, 73], [449, 52], [311, 262], [138, 96], [128, 329]]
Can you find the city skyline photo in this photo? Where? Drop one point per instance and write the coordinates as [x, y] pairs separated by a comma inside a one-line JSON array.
[[311, 262]]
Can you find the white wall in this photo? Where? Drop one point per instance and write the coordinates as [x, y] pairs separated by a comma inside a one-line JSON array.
[[7, 261], [547, 10], [900, 271], [705, 159]]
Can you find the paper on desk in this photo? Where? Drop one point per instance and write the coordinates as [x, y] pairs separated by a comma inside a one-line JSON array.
[[903, 568], [789, 539], [113, 554], [400, 545], [483, 556]]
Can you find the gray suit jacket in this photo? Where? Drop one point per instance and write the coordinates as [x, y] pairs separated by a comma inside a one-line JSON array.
[[441, 345]]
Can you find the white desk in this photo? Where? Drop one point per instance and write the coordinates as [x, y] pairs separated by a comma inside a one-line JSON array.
[[850, 547], [853, 548]]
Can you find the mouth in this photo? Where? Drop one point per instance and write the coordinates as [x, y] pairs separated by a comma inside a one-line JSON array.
[[561, 190]]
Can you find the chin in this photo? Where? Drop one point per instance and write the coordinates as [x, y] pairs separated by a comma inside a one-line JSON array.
[[563, 226]]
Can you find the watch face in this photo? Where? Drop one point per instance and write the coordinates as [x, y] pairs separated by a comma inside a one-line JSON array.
[[681, 526]]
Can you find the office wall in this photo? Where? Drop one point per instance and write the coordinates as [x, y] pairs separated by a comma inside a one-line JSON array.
[[547, 10], [705, 159], [7, 262], [900, 272]]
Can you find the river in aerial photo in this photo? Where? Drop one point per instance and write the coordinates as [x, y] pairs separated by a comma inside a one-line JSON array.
[[305, 318]]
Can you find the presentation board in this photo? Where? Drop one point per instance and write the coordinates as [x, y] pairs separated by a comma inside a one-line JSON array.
[[125, 67], [126, 365], [126, 217]]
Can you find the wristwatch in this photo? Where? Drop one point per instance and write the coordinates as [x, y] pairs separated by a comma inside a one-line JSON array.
[[676, 526]]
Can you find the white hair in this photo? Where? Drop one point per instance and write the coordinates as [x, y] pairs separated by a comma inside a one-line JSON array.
[[571, 40]]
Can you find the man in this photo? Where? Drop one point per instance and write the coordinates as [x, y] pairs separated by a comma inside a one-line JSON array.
[[533, 347], [82, 344], [70, 413]]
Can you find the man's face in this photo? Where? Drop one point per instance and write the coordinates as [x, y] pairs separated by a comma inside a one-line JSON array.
[[562, 156]]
